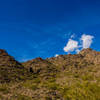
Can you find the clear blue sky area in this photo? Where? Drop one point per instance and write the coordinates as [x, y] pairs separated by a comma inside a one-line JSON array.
[[41, 28]]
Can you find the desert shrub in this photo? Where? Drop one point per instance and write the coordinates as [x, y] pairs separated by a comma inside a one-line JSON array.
[[31, 84], [76, 75], [1, 97], [51, 79], [87, 77], [37, 80], [51, 85], [48, 98], [4, 89], [22, 97], [34, 87], [84, 91]]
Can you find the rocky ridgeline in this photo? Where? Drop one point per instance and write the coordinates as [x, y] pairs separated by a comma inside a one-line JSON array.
[[7, 60], [10, 69], [91, 55], [84, 58], [40, 67], [66, 77]]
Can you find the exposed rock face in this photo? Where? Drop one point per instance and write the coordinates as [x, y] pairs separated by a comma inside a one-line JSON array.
[[84, 58], [91, 55]]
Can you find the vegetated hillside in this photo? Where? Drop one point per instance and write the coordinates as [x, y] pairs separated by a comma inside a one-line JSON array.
[[41, 68], [10, 69], [66, 77]]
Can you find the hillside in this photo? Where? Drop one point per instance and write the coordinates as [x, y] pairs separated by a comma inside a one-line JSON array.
[[10, 69], [66, 77]]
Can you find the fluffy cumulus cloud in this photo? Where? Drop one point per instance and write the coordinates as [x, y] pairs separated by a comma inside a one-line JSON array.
[[86, 40], [73, 45]]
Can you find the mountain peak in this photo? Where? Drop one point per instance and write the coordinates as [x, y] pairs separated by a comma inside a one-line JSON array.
[[3, 52], [85, 51], [10, 69]]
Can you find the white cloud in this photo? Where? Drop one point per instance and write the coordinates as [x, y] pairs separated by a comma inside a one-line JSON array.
[[86, 40], [56, 55], [71, 45]]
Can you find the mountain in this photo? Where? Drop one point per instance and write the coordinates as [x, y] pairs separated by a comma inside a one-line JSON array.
[[41, 67], [91, 55], [65, 77], [10, 69]]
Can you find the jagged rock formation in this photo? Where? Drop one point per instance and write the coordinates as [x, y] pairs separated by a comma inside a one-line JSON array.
[[91, 55]]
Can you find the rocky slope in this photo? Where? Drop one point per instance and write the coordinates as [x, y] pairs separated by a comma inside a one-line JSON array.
[[40, 66], [66, 77], [10, 69]]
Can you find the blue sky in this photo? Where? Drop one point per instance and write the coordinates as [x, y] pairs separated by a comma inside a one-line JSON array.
[[41, 28]]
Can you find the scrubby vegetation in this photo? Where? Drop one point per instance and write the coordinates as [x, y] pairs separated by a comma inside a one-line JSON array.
[[66, 77]]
